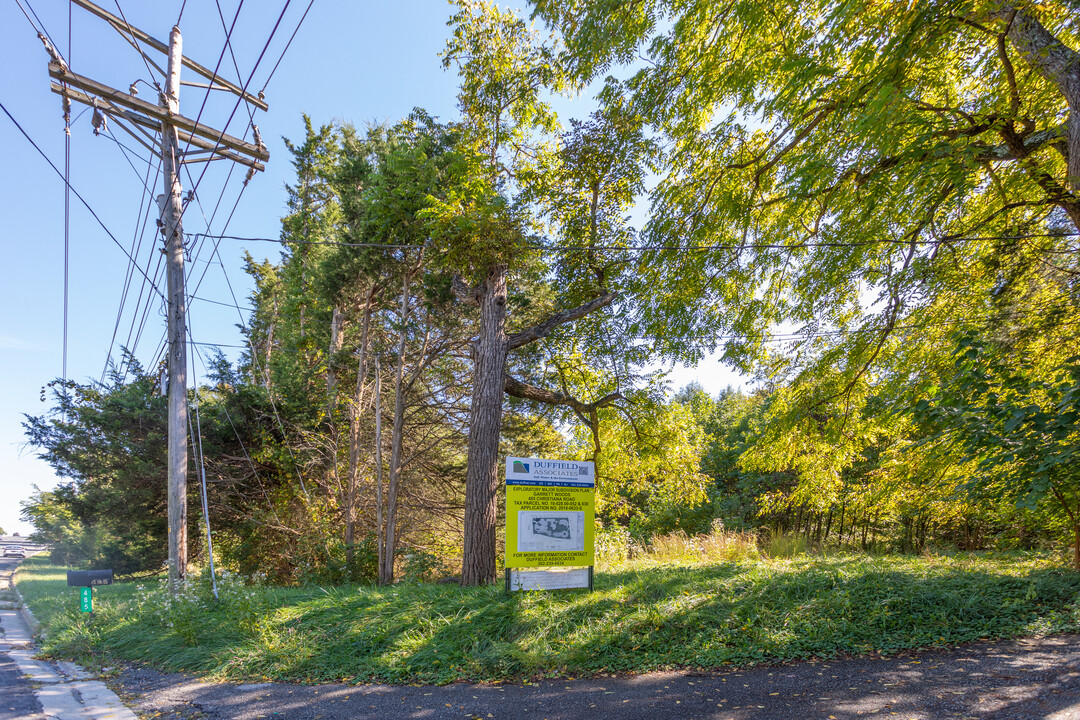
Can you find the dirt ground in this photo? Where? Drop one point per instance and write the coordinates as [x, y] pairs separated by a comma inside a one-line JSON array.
[[1015, 679]]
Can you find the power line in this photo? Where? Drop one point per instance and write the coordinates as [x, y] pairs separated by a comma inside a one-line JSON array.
[[138, 236], [28, 18], [664, 248], [232, 54], [206, 97], [42, 32], [69, 185], [197, 445], [135, 43], [243, 447], [67, 209], [222, 304], [236, 107], [215, 251], [282, 57]]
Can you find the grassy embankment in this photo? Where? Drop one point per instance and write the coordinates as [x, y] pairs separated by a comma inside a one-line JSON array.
[[641, 617]]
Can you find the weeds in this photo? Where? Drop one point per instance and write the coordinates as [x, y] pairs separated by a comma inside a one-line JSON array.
[[732, 609], [784, 545]]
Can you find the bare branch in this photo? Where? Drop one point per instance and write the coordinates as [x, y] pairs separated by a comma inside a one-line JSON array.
[[517, 388], [542, 330]]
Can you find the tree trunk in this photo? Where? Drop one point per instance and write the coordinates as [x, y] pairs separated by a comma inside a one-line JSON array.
[[386, 567], [1060, 64], [352, 483], [269, 347], [331, 361], [1076, 546], [485, 423], [380, 547]]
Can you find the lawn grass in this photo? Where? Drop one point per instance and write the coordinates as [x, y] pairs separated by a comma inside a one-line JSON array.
[[708, 616]]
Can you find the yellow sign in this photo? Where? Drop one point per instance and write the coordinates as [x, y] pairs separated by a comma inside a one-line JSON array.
[[550, 512]]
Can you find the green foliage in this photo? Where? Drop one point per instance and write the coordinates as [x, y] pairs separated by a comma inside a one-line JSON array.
[[55, 524], [637, 620], [870, 179], [648, 465], [108, 442], [1022, 430]]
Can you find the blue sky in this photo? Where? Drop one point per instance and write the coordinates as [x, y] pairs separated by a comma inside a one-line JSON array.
[[350, 61]]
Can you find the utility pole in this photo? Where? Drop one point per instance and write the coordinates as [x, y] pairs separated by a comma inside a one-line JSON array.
[[177, 317], [143, 120]]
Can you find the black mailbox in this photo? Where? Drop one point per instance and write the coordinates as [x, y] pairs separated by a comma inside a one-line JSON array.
[[89, 578]]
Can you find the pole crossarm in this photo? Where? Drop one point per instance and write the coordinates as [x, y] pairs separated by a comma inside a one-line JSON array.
[[122, 114], [125, 28], [155, 115]]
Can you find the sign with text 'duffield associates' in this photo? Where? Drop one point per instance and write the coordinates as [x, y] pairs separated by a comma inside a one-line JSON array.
[[550, 511]]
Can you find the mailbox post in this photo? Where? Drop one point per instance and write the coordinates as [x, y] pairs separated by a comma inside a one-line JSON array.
[[86, 580]]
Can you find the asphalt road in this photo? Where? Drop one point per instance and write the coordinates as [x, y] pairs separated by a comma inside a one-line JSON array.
[[1006, 680], [1013, 680]]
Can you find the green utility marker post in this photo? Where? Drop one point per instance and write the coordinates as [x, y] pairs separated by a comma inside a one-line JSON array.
[[86, 599]]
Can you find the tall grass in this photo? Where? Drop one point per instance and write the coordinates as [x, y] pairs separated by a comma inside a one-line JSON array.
[[617, 551], [643, 617], [719, 546], [778, 545]]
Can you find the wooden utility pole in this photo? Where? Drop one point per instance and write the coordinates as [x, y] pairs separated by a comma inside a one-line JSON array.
[[177, 317], [180, 137]]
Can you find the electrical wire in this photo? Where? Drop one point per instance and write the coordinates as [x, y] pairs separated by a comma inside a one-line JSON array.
[[232, 54], [39, 23], [554, 250], [206, 97], [69, 185], [135, 43], [202, 175], [243, 447], [222, 304], [28, 18], [138, 237], [282, 57], [240, 99], [67, 210], [196, 443], [141, 316]]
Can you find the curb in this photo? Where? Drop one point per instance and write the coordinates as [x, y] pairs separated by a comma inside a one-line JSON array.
[[27, 616], [24, 610]]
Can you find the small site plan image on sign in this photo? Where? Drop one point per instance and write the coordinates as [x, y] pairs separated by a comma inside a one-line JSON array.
[[550, 512]]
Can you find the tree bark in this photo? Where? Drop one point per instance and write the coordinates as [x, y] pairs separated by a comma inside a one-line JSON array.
[[1059, 64], [380, 547], [352, 482], [386, 566], [485, 422], [560, 318], [331, 363]]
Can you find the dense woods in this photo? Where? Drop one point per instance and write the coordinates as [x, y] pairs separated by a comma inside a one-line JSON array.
[[872, 210]]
